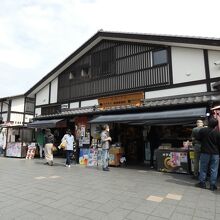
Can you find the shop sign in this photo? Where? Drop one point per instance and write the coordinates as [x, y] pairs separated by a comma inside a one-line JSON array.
[[13, 149], [131, 99], [176, 162], [216, 114]]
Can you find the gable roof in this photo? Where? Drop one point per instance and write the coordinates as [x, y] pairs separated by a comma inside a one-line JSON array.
[[2, 99], [184, 41]]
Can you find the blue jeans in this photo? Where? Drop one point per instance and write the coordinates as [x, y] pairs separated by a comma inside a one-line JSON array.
[[1, 151], [105, 156], [204, 163], [68, 155]]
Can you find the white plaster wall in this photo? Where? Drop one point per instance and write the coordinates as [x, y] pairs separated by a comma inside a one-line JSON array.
[[65, 106], [17, 105], [54, 89], [16, 118], [27, 118], [213, 57], [5, 116], [74, 105], [176, 91], [188, 64], [89, 103], [37, 111], [42, 97], [4, 107]]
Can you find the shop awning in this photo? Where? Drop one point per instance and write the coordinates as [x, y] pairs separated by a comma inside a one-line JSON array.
[[47, 123], [160, 117]]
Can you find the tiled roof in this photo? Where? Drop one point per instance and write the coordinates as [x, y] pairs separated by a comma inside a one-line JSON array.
[[199, 98], [181, 100]]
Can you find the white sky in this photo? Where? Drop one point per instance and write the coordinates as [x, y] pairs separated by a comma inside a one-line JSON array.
[[36, 35]]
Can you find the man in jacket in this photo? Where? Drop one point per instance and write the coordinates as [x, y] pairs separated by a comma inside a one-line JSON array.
[[210, 147], [197, 147]]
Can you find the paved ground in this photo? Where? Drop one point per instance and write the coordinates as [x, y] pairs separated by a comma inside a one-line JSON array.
[[30, 190]]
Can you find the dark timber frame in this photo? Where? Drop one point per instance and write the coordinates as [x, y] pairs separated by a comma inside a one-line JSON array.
[[112, 68]]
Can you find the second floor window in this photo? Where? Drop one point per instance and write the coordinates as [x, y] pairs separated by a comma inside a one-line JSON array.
[[159, 57]]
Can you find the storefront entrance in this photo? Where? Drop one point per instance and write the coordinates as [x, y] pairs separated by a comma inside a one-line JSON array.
[[131, 139]]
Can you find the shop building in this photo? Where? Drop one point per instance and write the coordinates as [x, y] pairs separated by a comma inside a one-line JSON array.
[[132, 82], [16, 113]]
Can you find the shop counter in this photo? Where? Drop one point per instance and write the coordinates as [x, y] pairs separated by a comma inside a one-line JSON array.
[[176, 160], [92, 156]]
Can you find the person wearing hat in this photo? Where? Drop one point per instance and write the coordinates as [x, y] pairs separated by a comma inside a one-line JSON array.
[[49, 141], [69, 138], [197, 147]]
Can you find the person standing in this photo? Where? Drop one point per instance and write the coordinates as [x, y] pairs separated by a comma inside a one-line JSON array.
[[48, 151], [105, 143], [197, 147], [210, 148], [69, 138], [1, 141], [40, 142]]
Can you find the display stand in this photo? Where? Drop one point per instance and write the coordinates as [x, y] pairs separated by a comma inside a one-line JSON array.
[[175, 160], [15, 149], [31, 151]]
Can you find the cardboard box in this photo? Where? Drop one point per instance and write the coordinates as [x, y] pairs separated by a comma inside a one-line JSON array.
[[116, 150], [114, 159]]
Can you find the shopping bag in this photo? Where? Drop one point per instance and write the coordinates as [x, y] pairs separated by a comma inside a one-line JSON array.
[[54, 149], [63, 145]]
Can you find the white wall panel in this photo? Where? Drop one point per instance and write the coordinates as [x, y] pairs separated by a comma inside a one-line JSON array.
[[74, 105], [54, 89], [89, 103], [213, 57], [5, 116], [17, 105], [27, 118], [188, 64], [5, 107], [16, 118], [42, 97], [37, 111], [176, 91]]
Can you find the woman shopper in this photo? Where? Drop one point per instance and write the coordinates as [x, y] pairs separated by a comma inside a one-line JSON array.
[[69, 138], [105, 139], [49, 140]]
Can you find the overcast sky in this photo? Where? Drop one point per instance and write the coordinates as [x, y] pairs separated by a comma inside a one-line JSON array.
[[36, 35]]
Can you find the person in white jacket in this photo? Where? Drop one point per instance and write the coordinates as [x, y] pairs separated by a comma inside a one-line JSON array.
[[69, 138]]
